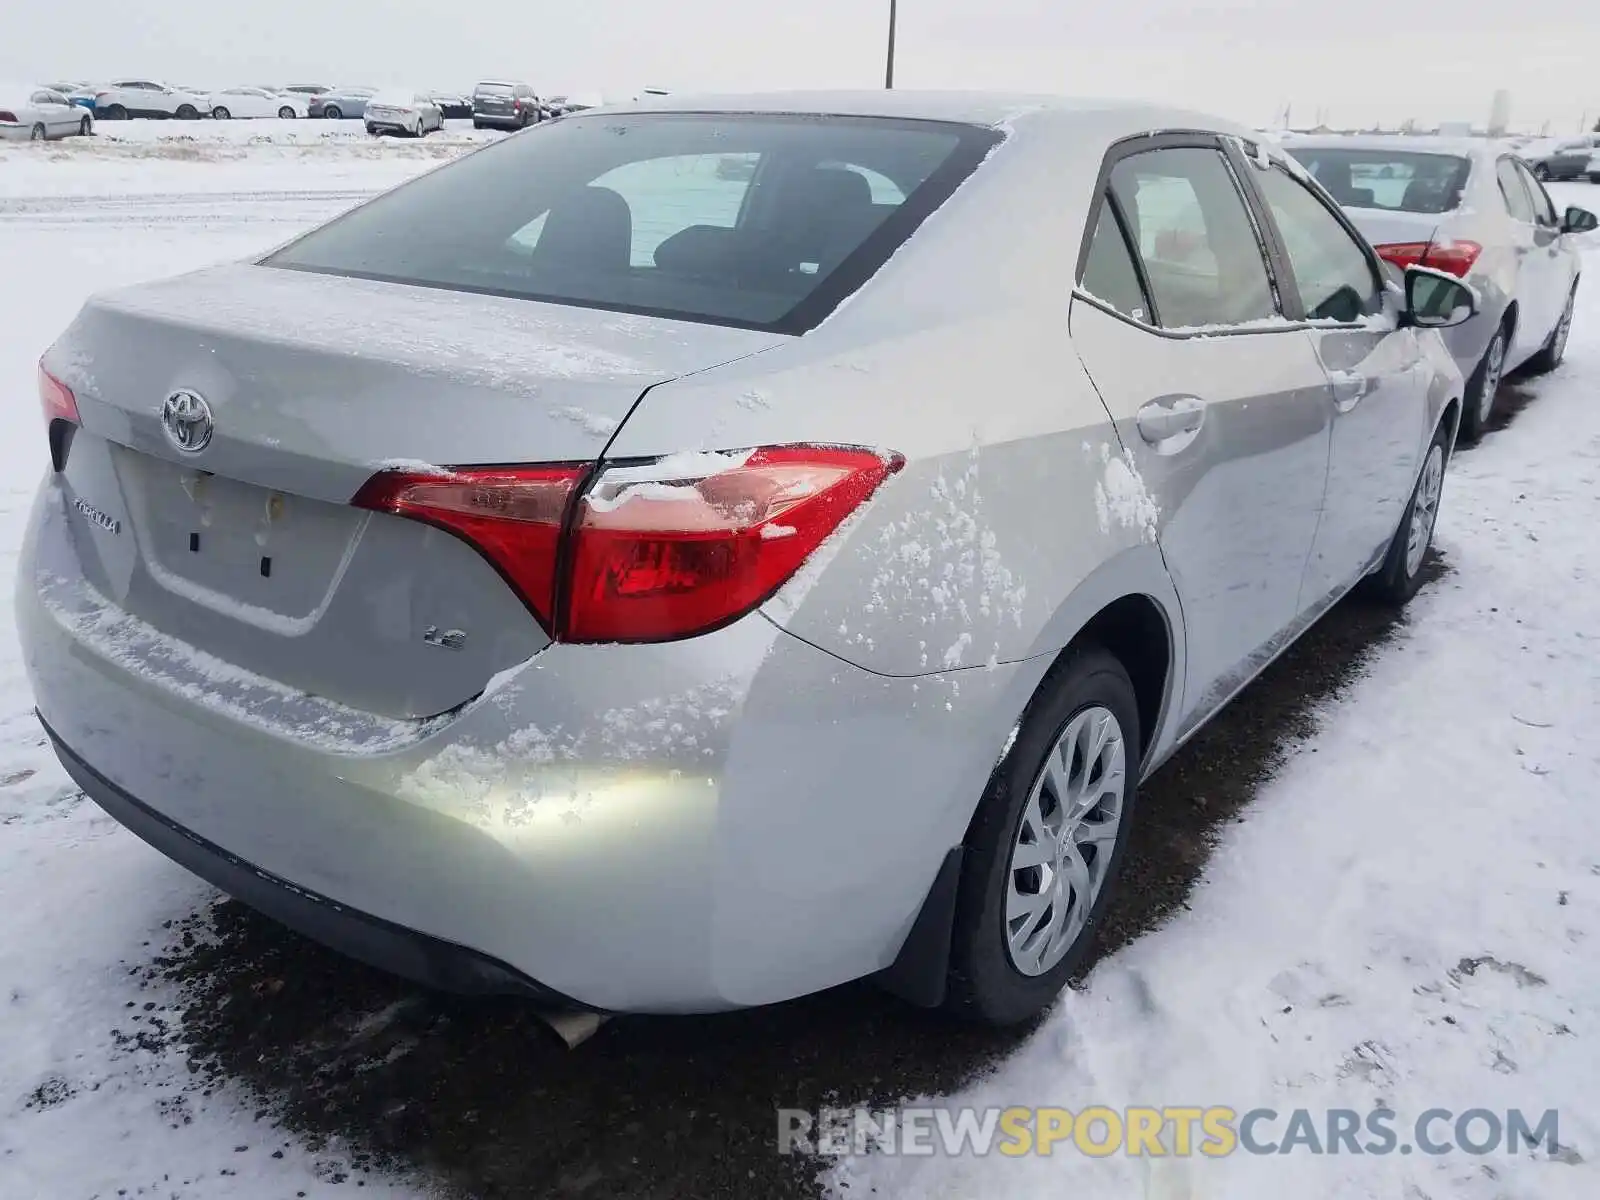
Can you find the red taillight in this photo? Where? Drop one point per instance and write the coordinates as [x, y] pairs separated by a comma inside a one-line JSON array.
[[513, 515], [10, 118], [654, 551], [56, 398], [1403, 254], [1454, 257], [676, 548]]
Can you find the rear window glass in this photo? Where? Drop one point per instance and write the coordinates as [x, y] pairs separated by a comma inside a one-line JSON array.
[[1397, 180], [494, 89], [763, 222]]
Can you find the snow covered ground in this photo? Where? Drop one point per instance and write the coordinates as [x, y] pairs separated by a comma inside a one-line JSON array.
[[1406, 913]]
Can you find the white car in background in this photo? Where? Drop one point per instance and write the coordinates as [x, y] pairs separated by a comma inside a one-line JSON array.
[[246, 102], [400, 110], [29, 113], [124, 98]]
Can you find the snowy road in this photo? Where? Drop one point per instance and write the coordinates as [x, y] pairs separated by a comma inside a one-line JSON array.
[[1406, 911]]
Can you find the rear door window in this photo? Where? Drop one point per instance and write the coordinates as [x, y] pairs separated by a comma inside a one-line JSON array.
[[1518, 203], [1194, 237], [1109, 275], [758, 221]]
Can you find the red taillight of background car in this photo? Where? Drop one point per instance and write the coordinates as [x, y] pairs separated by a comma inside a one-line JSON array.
[[10, 118], [652, 551], [1454, 257], [56, 399]]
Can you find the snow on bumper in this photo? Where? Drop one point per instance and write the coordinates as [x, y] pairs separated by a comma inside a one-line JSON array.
[[736, 819]]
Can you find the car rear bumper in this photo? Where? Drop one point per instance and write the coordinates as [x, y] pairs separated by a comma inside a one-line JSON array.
[[499, 120], [372, 940], [731, 820]]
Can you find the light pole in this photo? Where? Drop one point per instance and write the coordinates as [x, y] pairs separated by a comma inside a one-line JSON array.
[[888, 74]]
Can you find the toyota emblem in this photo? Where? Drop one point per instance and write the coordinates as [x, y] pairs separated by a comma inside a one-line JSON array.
[[186, 417]]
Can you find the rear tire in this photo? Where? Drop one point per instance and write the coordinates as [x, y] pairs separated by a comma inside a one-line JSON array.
[[1555, 346], [85, 127], [115, 112], [1477, 406], [187, 112], [286, 113], [1030, 901], [333, 112], [38, 133], [1398, 580], [221, 114], [1541, 172]]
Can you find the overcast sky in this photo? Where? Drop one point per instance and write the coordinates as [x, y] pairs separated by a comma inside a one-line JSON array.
[[1356, 60]]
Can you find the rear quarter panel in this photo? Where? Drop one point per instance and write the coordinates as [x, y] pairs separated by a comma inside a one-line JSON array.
[[1015, 493]]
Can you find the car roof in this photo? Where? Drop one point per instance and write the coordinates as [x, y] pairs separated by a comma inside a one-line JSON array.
[[1088, 116], [1465, 147]]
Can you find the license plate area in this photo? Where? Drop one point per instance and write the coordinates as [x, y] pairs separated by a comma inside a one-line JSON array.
[[220, 540]]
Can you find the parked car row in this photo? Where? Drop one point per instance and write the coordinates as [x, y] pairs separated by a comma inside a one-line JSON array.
[[1475, 210], [1239, 411], [37, 114], [493, 104]]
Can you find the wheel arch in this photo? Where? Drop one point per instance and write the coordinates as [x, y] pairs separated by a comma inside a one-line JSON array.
[[1129, 607], [1142, 629]]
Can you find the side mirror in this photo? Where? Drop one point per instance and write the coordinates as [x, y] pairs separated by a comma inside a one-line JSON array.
[[1579, 220], [1435, 300]]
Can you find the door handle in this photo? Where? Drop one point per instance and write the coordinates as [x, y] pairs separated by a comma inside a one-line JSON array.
[[1170, 417], [1349, 389]]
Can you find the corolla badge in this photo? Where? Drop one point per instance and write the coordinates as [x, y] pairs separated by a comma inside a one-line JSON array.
[[186, 417]]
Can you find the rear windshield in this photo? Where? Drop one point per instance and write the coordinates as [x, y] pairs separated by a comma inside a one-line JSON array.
[[762, 222], [495, 89], [1396, 180]]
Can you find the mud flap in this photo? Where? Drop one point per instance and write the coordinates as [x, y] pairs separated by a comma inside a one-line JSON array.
[[921, 971]]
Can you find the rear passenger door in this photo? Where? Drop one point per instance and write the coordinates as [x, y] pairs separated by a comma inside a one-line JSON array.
[[1221, 405], [1537, 252], [1378, 381], [1557, 265]]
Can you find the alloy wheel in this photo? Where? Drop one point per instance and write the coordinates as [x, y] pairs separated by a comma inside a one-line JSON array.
[[1425, 510], [1063, 846]]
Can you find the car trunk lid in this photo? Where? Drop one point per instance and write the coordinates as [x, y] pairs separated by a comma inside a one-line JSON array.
[[247, 547]]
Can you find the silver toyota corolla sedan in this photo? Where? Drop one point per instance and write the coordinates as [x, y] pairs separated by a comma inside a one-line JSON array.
[[666, 589], [1472, 208]]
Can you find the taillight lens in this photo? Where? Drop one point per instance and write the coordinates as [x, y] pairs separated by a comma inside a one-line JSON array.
[[1453, 257], [513, 515], [10, 118], [57, 399], [654, 551], [1403, 254], [680, 547]]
